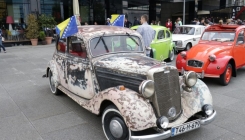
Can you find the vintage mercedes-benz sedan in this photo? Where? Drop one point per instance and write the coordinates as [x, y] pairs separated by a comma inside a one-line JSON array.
[[219, 53], [105, 70]]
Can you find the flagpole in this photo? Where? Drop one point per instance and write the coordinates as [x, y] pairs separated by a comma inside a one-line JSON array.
[[76, 11]]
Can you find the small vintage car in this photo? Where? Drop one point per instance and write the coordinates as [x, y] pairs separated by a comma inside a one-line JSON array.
[[162, 45], [105, 70], [187, 36], [219, 53]]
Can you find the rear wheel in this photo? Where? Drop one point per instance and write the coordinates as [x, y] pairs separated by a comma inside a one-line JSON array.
[[52, 84], [226, 76], [171, 56], [113, 124]]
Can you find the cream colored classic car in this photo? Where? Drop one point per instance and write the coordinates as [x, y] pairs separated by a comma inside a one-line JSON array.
[[105, 70]]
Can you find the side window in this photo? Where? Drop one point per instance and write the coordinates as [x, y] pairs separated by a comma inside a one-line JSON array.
[[168, 35], [240, 37], [77, 47], [160, 34], [198, 31], [61, 45]]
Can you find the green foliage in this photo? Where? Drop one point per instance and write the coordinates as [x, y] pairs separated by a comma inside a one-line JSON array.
[[46, 21], [32, 28], [42, 35]]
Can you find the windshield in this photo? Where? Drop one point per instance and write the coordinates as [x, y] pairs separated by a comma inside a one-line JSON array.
[[112, 44], [219, 36], [184, 30]]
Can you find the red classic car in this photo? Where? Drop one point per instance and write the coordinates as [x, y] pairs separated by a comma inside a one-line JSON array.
[[219, 53]]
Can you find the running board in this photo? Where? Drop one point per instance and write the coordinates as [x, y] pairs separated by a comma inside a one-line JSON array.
[[81, 101]]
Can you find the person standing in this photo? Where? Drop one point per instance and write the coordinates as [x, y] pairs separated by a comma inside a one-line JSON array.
[[179, 21], [95, 23], [127, 23], [169, 24], [1, 43], [108, 22], [147, 33], [136, 21]]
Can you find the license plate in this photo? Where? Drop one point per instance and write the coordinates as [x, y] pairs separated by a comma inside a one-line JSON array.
[[185, 128]]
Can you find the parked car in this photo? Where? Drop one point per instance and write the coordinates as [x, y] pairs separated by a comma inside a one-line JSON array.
[[103, 71], [187, 36], [219, 53], [162, 45]]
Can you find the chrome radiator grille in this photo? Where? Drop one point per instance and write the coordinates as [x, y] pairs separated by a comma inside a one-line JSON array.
[[167, 91], [195, 63]]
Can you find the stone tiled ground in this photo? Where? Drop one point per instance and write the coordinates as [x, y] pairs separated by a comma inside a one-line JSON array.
[[28, 110]]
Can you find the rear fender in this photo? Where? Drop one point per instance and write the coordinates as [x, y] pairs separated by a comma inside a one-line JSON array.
[[218, 66], [54, 70], [136, 111]]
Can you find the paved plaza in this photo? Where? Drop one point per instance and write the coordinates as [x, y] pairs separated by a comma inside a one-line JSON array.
[[29, 111]]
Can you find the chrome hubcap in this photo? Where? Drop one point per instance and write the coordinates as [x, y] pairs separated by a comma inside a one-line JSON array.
[[116, 129]]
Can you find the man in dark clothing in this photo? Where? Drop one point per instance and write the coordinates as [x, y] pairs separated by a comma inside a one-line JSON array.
[[136, 21], [127, 23]]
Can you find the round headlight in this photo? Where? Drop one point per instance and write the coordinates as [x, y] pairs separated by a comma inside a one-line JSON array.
[[212, 57], [208, 109], [190, 78], [183, 54], [147, 88], [162, 122]]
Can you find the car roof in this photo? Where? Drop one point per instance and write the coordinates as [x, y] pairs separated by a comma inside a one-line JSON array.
[[218, 27], [91, 31], [192, 26], [155, 27]]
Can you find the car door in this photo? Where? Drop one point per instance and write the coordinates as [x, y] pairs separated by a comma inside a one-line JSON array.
[[197, 36], [79, 75], [239, 49], [60, 60], [160, 46]]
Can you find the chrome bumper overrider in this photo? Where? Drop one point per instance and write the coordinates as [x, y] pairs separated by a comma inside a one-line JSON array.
[[167, 134]]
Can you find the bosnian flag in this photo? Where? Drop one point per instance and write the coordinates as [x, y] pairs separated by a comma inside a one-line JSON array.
[[117, 20], [67, 27]]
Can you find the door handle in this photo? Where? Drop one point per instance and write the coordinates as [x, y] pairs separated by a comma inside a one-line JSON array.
[[194, 39]]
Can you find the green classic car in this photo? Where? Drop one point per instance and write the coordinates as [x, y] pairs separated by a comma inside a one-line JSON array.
[[162, 45]]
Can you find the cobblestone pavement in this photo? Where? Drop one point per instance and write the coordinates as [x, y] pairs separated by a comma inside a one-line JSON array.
[[28, 110]]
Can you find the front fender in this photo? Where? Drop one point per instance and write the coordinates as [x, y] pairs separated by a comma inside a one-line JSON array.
[[220, 62], [180, 62], [137, 112]]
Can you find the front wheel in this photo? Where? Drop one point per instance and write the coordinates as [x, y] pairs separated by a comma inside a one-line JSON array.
[[225, 78], [188, 47], [113, 124]]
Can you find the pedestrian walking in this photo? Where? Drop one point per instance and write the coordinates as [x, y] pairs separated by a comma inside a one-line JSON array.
[[169, 24], [1, 43], [147, 33]]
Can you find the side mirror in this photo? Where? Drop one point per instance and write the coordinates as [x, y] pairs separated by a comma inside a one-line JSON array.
[[240, 42]]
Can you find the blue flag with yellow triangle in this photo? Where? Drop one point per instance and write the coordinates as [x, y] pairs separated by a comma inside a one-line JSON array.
[[67, 27], [117, 20]]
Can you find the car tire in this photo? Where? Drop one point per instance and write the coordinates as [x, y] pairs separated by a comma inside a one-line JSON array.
[[171, 56], [53, 88], [225, 78], [113, 124], [188, 47]]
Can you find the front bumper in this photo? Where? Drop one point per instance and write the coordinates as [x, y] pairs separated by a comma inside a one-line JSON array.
[[200, 75], [167, 134]]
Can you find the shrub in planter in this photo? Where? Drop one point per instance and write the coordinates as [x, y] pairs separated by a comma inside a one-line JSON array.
[[42, 37], [32, 31], [47, 23]]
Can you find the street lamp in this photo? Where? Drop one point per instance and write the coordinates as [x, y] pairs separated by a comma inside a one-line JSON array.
[[184, 12]]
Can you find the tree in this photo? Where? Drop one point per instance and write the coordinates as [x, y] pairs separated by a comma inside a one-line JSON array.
[[32, 28]]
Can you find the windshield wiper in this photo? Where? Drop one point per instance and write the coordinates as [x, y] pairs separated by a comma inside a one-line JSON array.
[[101, 38], [132, 38]]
